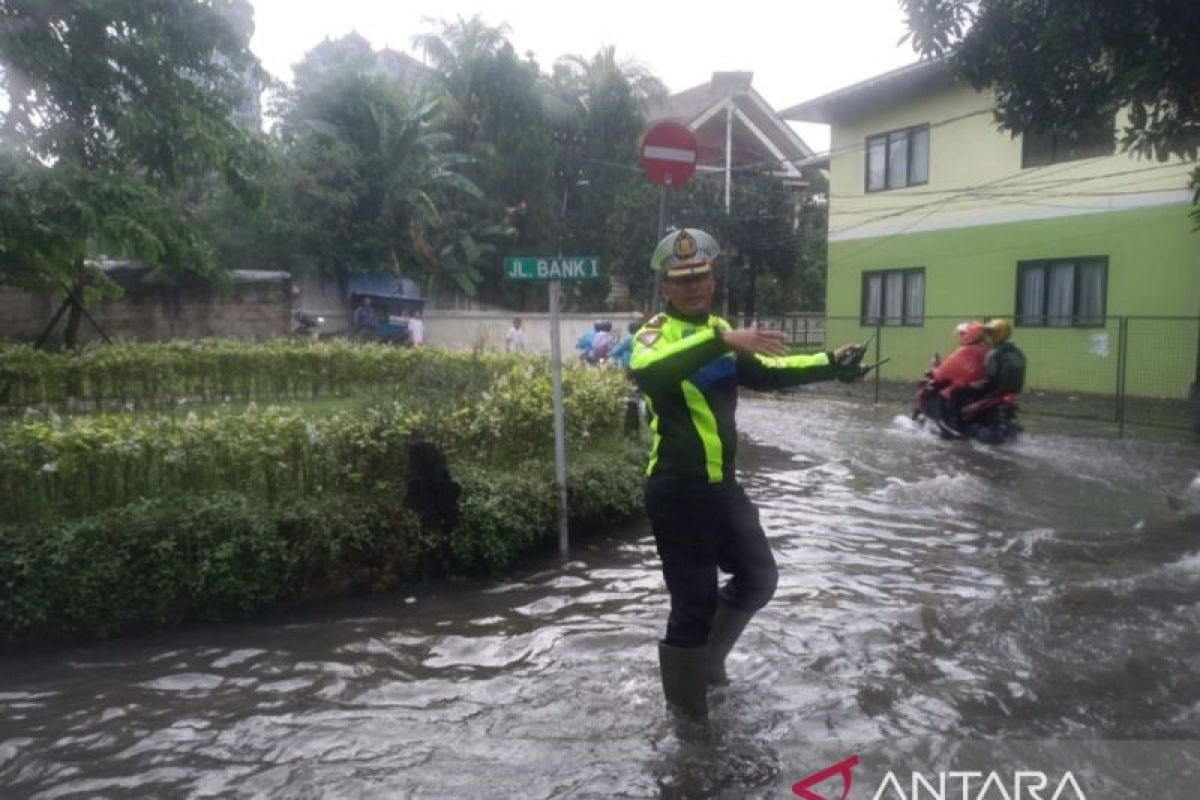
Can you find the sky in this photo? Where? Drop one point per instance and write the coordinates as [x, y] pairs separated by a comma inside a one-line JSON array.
[[797, 50]]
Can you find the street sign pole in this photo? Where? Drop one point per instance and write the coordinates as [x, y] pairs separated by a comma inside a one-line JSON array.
[[554, 270], [669, 158], [662, 231], [560, 447], [662, 213]]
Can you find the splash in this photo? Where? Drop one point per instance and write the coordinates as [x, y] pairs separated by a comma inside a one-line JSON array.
[[1188, 565]]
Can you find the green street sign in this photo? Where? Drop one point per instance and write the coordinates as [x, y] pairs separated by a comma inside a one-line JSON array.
[[550, 268]]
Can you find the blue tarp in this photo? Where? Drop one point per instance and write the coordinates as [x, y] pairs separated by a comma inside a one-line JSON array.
[[384, 286]]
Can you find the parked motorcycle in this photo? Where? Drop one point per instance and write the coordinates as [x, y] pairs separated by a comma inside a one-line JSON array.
[[306, 325], [966, 414]]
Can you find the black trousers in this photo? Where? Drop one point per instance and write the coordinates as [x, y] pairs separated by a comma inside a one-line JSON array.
[[698, 529]]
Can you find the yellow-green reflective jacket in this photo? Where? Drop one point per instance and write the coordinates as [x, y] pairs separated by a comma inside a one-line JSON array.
[[690, 379]]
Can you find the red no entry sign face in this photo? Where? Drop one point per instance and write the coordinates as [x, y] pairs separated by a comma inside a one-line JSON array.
[[669, 154]]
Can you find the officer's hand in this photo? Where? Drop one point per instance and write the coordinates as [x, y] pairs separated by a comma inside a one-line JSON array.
[[849, 355], [754, 340]]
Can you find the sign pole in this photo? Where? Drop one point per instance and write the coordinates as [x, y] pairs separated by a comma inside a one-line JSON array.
[[669, 158], [662, 231], [560, 448], [554, 270]]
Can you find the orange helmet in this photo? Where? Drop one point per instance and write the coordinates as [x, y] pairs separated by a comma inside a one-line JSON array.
[[969, 332]]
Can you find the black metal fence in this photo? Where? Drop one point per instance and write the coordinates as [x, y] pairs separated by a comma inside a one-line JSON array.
[[1127, 370], [802, 329]]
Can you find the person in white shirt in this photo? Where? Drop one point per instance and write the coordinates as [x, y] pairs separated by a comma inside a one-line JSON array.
[[514, 340], [416, 328]]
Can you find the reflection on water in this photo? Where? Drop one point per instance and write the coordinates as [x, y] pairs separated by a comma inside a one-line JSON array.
[[1045, 590]]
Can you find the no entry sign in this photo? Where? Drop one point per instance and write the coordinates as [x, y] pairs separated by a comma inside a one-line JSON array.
[[669, 154]]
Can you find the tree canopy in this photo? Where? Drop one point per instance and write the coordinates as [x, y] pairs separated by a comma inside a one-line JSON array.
[[113, 106], [1060, 67], [125, 134]]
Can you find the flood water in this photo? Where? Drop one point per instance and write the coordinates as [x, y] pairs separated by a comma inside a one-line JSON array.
[[930, 591]]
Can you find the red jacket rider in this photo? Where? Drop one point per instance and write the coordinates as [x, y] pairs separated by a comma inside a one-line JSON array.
[[964, 366]]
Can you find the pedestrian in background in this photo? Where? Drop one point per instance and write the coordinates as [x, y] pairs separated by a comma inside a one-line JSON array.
[[514, 340], [416, 328]]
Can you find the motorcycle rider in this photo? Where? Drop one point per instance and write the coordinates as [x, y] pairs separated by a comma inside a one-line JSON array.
[[960, 377], [689, 363], [1004, 365], [584, 344]]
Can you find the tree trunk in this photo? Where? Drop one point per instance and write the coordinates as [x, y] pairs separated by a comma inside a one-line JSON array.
[[75, 312]]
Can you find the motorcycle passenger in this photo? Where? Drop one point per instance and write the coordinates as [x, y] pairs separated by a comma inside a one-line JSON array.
[[584, 344], [602, 343], [624, 348], [1004, 365]]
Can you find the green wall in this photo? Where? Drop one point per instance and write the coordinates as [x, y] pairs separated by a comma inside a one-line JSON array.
[[1153, 271]]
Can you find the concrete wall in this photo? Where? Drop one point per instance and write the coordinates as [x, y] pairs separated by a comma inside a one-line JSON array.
[[23, 315], [486, 329], [254, 308]]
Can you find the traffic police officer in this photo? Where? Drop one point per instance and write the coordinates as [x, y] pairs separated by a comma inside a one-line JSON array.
[[689, 363]]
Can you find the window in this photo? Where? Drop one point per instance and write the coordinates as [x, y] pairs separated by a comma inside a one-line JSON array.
[[898, 158], [1062, 292], [893, 297], [1041, 149]]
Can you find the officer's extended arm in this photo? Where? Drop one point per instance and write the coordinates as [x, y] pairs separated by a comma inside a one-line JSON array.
[[765, 372], [665, 364]]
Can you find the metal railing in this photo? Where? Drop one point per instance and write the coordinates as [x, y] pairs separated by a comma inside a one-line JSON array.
[[802, 329]]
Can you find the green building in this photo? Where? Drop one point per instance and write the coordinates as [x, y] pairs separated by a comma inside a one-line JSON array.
[[937, 216]]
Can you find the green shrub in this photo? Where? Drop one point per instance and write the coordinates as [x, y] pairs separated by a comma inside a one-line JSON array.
[[120, 521], [506, 512], [81, 465], [163, 374], [149, 565], [513, 417]]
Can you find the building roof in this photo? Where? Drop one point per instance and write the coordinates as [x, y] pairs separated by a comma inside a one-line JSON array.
[[888, 88], [387, 286], [760, 136]]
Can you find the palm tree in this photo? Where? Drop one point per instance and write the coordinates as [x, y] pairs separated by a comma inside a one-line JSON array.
[[460, 51], [418, 201], [579, 78]]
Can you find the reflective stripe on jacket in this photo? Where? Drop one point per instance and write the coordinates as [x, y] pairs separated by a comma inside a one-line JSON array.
[[690, 379]]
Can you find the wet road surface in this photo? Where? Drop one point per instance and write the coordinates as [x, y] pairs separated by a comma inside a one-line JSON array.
[[930, 591]]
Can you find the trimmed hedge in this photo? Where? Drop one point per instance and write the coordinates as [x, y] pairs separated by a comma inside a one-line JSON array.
[[163, 374], [503, 514], [120, 522], [75, 466], [79, 465], [151, 565]]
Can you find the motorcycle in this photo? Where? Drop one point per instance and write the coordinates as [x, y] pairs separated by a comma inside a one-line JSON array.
[[968, 414], [306, 325]]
